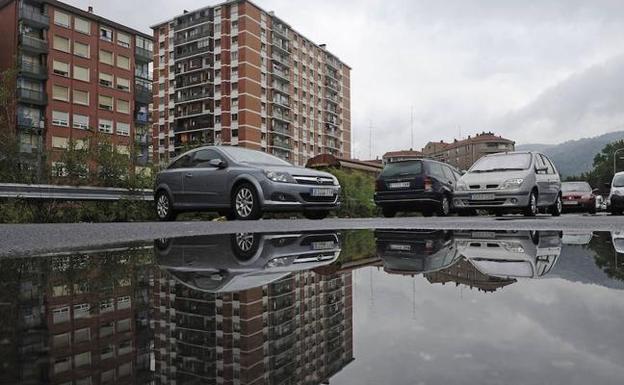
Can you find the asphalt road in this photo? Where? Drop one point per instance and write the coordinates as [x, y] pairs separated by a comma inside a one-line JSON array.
[[28, 240]]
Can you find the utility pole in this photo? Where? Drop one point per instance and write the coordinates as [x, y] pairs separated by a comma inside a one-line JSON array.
[[615, 160], [370, 140]]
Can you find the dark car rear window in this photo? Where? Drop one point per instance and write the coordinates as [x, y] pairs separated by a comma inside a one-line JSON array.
[[403, 169], [576, 186]]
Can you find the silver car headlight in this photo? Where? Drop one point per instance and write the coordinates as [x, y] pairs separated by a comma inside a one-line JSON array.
[[279, 262], [279, 176], [461, 186], [512, 184], [336, 182], [617, 192]]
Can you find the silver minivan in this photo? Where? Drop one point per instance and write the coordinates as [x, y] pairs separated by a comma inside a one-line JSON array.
[[525, 182]]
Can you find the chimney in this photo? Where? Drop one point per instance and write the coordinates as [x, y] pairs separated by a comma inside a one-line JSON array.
[[90, 10]]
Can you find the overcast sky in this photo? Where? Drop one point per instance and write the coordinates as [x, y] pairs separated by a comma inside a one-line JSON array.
[[530, 70]]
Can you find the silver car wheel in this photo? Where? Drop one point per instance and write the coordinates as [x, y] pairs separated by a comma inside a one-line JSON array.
[[446, 206], [245, 241], [533, 204], [244, 202], [162, 206], [559, 204]]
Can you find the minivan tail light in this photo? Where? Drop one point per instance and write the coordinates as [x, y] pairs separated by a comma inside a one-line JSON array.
[[428, 184]]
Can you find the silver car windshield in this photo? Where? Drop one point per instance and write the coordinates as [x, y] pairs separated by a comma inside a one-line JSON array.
[[505, 162], [241, 155], [618, 181]]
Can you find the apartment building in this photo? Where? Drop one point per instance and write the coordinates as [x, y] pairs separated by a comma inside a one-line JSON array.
[[77, 73], [235, 74], [297, 330], [464, 153], [460, 153]]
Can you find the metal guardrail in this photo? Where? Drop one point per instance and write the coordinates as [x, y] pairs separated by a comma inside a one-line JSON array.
[[72, 193]]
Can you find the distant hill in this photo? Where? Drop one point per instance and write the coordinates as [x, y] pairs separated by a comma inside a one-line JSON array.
[[576, 156]]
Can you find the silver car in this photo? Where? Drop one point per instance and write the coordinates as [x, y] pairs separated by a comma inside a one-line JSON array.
[[524, 182], [242, 184]]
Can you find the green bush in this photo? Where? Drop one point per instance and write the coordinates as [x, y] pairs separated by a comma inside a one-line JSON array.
[[358, 189]]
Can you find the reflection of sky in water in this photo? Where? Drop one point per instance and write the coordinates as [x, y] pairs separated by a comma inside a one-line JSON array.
[[545, 331]]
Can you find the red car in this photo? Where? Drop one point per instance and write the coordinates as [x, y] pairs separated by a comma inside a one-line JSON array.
[[578, 196]]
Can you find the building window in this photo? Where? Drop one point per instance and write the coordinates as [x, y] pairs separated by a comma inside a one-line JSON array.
[[105, 102], [60, 68], [123, 84], [105, 126], [82, 359], [82, 25], [124, 302], [62, 365], [81, 73], [61, 340], [123, 39], [82, 310], [123, 62], [61, 43], [81, 97], [62, 19], [81, 49], [106, 57], [81, 122], [106, 80], [123, 106], [60, 142], [82, 335], [60, 315], [60, 93], [106, 34], [123, 129], [60, 118]]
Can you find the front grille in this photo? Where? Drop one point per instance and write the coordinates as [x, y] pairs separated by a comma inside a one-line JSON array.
[[486, 187], [495, 202], [309, 198], [315, 181]]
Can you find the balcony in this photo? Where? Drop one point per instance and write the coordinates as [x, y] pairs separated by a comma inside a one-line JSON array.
[[32, 44], [182, 53], [33, 70], [34, 17], [28, 123], [204, 32], [32, 97], [143, 55], [142, 94], [142, 118], [281, 116], [281, 131], [281, 45], [283, 75], [191, 97], [282, 59], [189, 23], [280, 30], [281, 144]]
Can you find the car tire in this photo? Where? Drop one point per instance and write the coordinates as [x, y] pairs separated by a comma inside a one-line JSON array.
[[389, 212], [164, 207], [445, 207], [557, 208], [245, 245], [316, 215], [531, 209], [245, 203]]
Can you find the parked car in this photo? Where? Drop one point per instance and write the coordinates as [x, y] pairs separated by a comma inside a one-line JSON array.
[[578, 196], [422, 185], [616, 196], [242, 184], [524, 182]]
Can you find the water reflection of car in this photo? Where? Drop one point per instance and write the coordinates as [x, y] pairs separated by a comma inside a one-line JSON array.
[[413, 252], [617, 237], [518, 254], [218, 263], [577, 237]]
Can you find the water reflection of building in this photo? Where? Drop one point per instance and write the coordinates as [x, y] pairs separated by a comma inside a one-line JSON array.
[[77, 320], [295, 330], [462, 272]]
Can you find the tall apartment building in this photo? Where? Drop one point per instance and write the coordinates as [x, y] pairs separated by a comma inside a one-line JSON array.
[[235, 74], [297, 330], [77, 72]]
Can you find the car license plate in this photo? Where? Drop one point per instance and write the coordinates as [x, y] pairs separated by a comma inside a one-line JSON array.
[[483, 197], [399, 185], [322, 192], [395, 247], [323, 245], [483, 234], [570, 203]]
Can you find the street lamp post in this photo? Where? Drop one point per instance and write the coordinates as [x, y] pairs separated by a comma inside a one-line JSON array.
[[615, 160]]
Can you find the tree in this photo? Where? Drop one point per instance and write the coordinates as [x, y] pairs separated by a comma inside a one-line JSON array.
[[74, 163], [112, 168], [602, 171]]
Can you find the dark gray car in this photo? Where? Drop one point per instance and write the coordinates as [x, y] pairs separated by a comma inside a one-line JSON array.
[[242, 184]]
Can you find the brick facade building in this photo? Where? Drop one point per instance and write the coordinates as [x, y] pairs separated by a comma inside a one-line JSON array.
[[76, 73], [235, 74]]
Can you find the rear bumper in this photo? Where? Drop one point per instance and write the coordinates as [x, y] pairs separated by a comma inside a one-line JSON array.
[[500, 199], [407, 197]]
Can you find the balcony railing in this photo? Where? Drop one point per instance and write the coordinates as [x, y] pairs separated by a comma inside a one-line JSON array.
[[34, 16], [281, 30], [142, 93], [31, 96], [277, 43], [281, 59], [189, 23], [36, 70], [29, 42], [143, 55], [201, 95], [190, 52], [142, 118], [29, 123], [282, 74], [283, 144], [204, 32], [281, 116]]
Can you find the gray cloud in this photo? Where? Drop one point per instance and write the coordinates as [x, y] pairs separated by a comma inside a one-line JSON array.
[[474, 64]]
